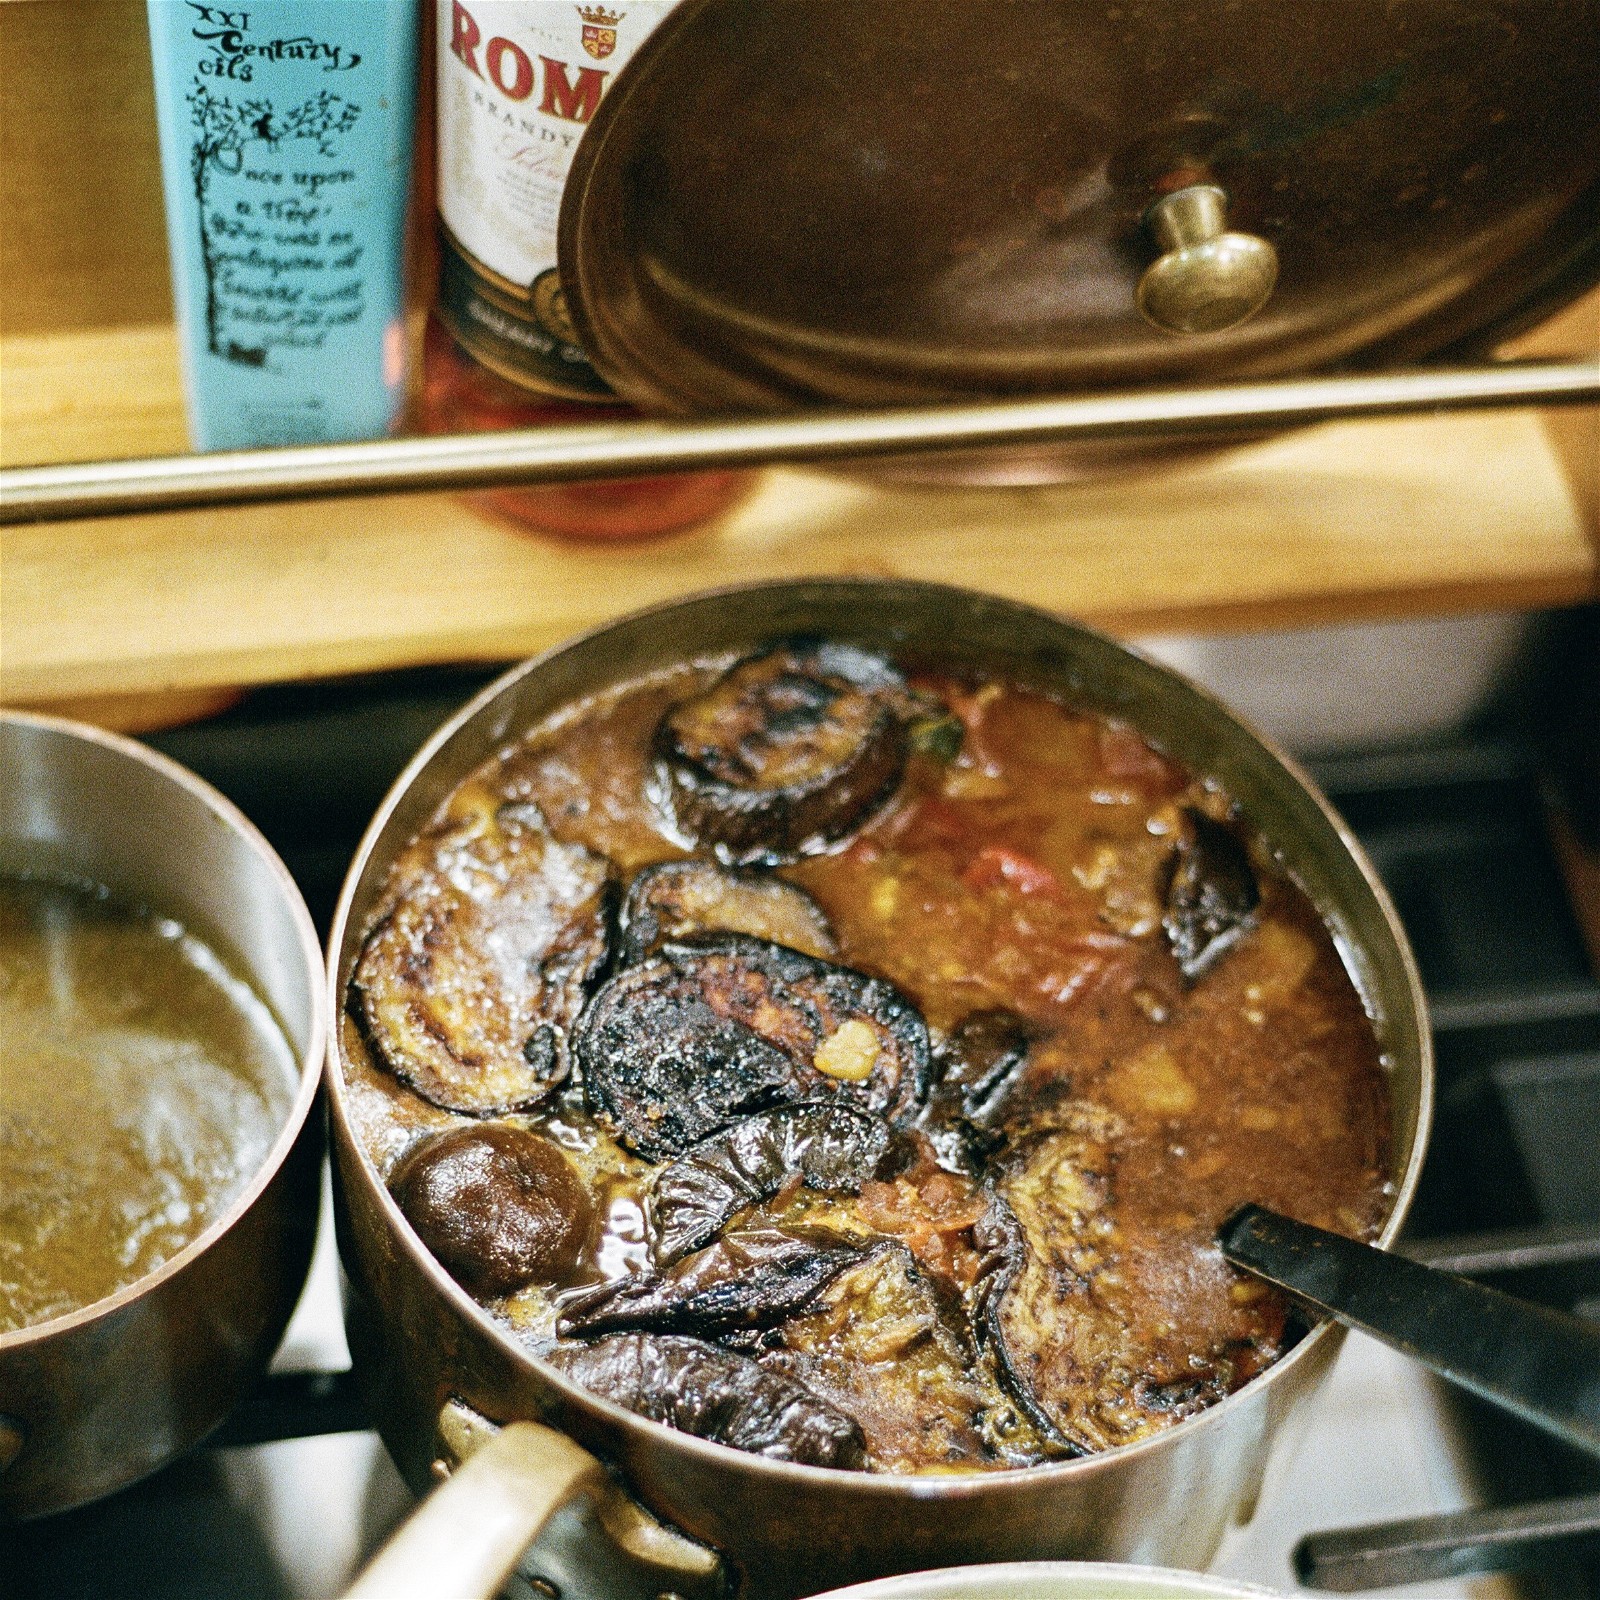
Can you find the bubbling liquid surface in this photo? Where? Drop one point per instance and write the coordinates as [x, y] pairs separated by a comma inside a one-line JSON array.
[[141, 1086]]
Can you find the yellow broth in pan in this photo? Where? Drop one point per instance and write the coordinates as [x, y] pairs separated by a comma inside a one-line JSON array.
[[141, 1085]]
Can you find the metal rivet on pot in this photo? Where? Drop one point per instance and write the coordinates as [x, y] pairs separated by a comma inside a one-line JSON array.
[[519, 1586], [12, 1438]]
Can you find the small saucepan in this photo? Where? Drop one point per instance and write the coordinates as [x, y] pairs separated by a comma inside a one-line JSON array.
[[97, 1397], [447, 1382]]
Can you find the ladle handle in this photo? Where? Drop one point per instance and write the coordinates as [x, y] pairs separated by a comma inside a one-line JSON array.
[[1540, 1364]]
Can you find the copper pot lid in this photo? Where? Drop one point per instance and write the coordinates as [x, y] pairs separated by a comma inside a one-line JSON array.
[[783, 201]]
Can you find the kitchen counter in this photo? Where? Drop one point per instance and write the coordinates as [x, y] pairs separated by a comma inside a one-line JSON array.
[[1407, 517]]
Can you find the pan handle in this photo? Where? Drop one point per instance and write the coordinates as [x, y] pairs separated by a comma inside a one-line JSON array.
[[1542, 1365], [514, 1484], [469, 1534]]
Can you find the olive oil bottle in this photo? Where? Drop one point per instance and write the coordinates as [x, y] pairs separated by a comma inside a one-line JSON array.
[[286, 132]]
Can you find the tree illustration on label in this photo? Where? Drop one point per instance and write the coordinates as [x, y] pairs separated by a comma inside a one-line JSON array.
[[269, 251]]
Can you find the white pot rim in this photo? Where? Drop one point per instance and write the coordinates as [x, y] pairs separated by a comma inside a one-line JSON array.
[[1053, 1580]]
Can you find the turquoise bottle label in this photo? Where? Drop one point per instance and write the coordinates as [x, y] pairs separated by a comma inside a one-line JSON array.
[[286, 134]]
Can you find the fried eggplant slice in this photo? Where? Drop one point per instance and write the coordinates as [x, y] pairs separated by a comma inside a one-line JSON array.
[[831, 1145], [886, 1344], [715, 1394], [468, 987], [709, 1030], [1003, 1249], [1092, 1320], [663, 1068], [1058, 1348], [744, 1283], [786, 752], [498, 1204], [678, 898], [1212, 897]]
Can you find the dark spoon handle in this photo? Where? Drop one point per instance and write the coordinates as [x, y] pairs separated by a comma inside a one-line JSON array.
[[1540, 1364], [1384, 1555]]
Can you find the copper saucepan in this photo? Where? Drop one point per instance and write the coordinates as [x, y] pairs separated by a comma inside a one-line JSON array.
[[98, 1397], [436, 1367]]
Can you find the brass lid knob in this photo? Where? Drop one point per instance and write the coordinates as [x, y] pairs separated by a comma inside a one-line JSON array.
[[1208, 279]]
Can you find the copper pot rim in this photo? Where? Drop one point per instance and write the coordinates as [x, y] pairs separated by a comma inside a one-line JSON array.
[[308, 1083], [890, 1486]]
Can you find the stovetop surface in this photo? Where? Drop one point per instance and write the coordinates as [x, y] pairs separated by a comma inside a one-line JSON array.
[[1458, 832]]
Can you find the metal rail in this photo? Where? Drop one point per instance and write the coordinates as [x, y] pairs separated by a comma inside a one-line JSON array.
[[628, 449]]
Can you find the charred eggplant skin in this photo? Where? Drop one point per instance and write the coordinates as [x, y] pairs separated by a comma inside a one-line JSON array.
[[677, 899], [466, 990], [977, 1068], [736, 1288], [1212, 896], [498, 1204], [664, 1070], [833, 1146], [715, 1394], [786, 752], [712, 1029]]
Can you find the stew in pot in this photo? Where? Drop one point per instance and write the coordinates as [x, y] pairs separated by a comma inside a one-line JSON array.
[[851, 1061]]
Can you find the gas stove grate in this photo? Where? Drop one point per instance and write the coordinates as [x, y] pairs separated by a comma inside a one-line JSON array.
[[1457, 830]]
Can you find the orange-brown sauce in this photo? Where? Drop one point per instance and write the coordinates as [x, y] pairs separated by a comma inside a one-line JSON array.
[[1028, 874]]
